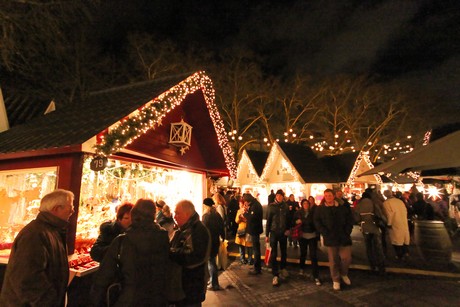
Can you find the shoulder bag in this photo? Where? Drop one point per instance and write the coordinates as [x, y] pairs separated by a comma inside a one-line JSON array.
[[115, 288]]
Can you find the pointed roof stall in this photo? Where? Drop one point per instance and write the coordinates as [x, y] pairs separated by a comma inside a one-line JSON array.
[[359, 162], [111, 122], [129, 123], [302, 163], [257, 159], [250, 168]]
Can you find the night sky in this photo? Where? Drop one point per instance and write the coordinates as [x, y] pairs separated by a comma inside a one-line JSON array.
[[413, 43]]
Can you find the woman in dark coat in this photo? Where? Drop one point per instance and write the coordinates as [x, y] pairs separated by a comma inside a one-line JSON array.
[[143, 260], [309, 239]]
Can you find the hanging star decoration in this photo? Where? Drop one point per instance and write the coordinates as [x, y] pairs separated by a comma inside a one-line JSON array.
[[183, 149]]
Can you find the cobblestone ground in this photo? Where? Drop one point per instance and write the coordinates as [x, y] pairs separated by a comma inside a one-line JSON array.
[[241, 289]]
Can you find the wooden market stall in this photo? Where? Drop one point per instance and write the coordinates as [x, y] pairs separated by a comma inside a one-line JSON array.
[[250, 169], [160, 139]]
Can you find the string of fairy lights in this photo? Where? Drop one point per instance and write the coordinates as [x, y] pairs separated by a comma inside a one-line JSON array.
[[362, 157], [125, 131], [341, 143]]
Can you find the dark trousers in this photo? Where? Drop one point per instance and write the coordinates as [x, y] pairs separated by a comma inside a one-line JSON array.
[[213, 271], [312, 245], [256, 252], [275, 239], [401, 250], [374, 251], [384, 239]]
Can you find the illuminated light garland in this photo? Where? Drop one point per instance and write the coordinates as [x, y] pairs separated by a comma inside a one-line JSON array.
[[246, 161], [362, 156], [270, 162], [274, 152], [426, 138], [152, 113]]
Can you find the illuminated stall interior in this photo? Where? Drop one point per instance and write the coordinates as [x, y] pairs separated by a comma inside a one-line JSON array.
[[20, 194], [121, 181]]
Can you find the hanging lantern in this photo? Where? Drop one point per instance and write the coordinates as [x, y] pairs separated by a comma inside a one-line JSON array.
[[181, 136]]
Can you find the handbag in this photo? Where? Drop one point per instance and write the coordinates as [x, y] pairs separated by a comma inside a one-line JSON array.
[[222, 256], [241, 233], [114, 290], [296, 232]]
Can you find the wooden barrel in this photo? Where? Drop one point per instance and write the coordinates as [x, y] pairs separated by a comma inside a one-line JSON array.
[[433, 241]]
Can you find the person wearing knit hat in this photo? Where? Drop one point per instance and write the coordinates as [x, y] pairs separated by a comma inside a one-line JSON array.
[[208, 202], [213, 221]]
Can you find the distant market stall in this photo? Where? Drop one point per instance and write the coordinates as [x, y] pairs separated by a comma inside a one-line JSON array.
[[250, 168], [160, 139]]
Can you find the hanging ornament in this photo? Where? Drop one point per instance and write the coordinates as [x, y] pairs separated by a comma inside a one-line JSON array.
[[181, 136]]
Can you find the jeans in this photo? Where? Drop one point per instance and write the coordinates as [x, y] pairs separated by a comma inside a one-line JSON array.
[[256, 251], [275, 239], [312, 245], [213, 271], [243, 250]]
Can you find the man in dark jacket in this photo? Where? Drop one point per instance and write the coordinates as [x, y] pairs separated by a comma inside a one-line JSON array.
[[38, 271], [190, 248], [254, 228], [110, 230], [213, 221], [277, 230], [335, 223]]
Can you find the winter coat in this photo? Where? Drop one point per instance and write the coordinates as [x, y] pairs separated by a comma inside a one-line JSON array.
[[107, 233], [254, 218], [38, 271], [306, 217], [241, 221], [278, 218], [423, 210], [366, 212], [397, 218], [190, 248], [335, 224], [143, 259], [213, 221]]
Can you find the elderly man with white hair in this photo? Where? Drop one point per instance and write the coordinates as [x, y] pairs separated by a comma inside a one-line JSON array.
[[190, 248], [398, 226], [38, 270]]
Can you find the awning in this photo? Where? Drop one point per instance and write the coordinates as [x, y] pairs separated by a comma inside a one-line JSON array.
[[443, 153]]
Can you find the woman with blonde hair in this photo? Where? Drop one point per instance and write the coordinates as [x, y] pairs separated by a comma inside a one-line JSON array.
[[221, 208], [243, 239]]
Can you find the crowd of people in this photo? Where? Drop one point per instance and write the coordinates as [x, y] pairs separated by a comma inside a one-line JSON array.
[[165, 260]]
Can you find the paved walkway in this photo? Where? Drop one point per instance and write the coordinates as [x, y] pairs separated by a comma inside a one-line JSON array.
[[241, 289], [414, 282]]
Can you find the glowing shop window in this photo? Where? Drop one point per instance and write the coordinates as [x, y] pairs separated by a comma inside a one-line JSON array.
[[20, 194]]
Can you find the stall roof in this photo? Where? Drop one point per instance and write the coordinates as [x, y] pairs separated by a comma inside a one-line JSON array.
[[76, 123], [306, 163], [340, 166], [73, 125]]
